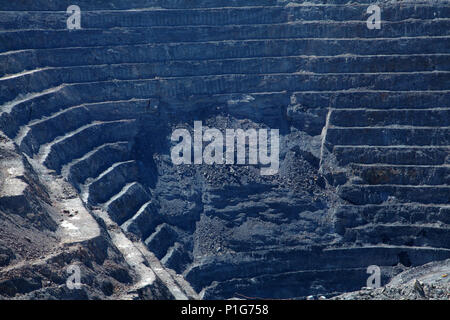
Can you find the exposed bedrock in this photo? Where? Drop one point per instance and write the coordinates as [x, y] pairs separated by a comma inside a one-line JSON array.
[[363, 118]]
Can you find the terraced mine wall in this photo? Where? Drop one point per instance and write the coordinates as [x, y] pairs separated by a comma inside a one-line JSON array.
[[363, 116]]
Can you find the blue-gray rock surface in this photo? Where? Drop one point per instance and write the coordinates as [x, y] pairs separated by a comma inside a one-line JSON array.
[[364, 145]]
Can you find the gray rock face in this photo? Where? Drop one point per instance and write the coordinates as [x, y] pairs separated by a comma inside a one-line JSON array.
[[427, 282], [363, 117], [35, 251]]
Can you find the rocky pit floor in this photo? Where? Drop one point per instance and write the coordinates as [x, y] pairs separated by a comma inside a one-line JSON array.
[[428, 282]]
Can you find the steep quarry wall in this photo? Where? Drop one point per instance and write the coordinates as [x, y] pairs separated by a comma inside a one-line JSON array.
[[363, 116]]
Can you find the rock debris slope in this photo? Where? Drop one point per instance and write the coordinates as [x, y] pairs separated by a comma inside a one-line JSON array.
[[85, 161]]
